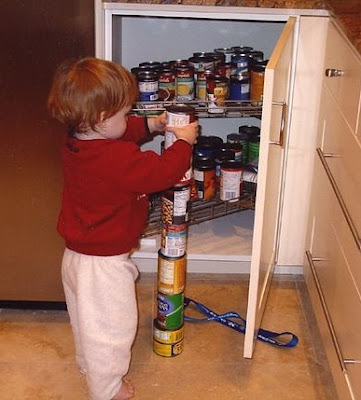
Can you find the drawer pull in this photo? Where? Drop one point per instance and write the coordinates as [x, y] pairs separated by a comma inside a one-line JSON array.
[[280, 140], [340, 200], [333, 73], [326, 312]]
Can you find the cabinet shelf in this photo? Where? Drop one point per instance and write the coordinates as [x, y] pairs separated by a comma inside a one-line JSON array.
[[204, 109], [201, 211]]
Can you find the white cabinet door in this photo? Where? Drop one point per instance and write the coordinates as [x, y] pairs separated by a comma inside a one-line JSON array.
[[273, 137]]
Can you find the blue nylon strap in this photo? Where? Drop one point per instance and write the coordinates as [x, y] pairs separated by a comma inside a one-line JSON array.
[[274, 338]]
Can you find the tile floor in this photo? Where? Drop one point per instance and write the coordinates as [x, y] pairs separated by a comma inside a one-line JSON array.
[[37, 356]]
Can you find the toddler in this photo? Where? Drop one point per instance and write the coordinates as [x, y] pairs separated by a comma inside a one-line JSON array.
[[104, 210]]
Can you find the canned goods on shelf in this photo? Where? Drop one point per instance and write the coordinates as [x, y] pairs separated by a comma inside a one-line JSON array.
[[255, 56], [150, 65], [201, 63], [217, 93], [221, 156], [247, 132], [184, 82], [148, 85], [204, 171], [241, 63], [167, 85], [239, 87], [257, 82], [201, 83], [207, 145], [227, 52], [242, 49], [231, 180]]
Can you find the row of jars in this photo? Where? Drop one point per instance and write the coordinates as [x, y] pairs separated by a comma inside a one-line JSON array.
[[235, 73]]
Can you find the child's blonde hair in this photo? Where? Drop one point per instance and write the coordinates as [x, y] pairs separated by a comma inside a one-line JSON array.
[[84, 89]]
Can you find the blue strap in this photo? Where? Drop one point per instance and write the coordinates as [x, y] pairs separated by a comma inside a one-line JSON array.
[[274, 338]]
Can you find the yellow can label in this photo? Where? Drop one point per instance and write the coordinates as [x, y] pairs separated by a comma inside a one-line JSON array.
[[166, 336], [168, 350]]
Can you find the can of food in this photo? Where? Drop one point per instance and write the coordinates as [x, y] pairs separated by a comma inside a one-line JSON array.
[[217, 93], [201, 63], [150, 65], [242, 49], [177, 115], [184, 83], [201, 84], [255, 56], [167, 336], [227, 52], [171, 349], [175, 205], [257, 82], [166, 84], [171, 274], [218, 58], [170, 310], [178, 63], [225, 69], [231, 180], [240, 63], [173, 240], [253, 148], [239, 145], [250, 133], [220, 157], [204, 172], [207, 145], [239, 87], [148, 85]]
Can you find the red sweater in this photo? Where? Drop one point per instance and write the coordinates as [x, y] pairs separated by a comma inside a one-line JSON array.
[[106, 182]]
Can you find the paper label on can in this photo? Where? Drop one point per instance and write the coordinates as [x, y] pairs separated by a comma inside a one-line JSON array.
[[175, 119], [230, 184]]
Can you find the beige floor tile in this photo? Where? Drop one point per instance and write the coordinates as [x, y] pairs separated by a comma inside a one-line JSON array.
[[37, 353]]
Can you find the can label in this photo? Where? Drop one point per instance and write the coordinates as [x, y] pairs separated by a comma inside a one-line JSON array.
[[166, 86], [175, 205], [148, 91], [167, 336], [239, 89], [231, 183], [174, 240], [205, 183], [171, 274], [168, 350], [184, 84], [217, 93], [170, 309]]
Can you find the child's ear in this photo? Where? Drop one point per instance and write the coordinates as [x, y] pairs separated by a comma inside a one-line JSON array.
[[102, 116]]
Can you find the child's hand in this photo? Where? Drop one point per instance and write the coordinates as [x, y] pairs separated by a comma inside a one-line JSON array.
[[157, 123], [189, 132]]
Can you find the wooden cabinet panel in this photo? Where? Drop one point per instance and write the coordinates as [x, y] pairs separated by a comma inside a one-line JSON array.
[[340, 56], [334, 265], [342, 151], [354, 373]]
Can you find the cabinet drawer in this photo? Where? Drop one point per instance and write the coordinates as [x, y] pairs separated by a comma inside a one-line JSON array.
[[336, 261], [354, 375], [341, 56], [342, 151]]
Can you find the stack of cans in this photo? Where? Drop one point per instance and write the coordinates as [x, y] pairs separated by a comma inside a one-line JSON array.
[[168, 327]]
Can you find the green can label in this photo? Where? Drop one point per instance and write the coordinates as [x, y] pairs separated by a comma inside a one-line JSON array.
[[170, 310]]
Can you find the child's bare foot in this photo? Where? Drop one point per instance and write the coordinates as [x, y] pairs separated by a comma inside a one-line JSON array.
[[126, 391]]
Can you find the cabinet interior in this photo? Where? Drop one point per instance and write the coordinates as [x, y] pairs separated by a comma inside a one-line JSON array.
[[139, 38]]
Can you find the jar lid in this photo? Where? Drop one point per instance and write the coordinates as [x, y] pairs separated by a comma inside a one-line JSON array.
[[223, 155], [232, 164], [250, 130], [204, 162], [209, 142], [237, 137]]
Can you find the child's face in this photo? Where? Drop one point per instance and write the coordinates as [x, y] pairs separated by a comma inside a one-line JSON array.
[[115, 126]]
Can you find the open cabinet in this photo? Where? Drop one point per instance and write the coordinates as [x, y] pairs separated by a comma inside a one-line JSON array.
[[251, 240]]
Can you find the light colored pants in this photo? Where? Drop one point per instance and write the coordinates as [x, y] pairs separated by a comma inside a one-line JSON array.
[[101, 301]]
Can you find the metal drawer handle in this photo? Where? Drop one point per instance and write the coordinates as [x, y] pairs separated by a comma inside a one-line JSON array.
[[279, 142], [340, 200], [333, 72], [326, 312]]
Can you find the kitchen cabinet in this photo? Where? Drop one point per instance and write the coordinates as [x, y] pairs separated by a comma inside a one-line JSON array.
[[275, 233], [333, 258]]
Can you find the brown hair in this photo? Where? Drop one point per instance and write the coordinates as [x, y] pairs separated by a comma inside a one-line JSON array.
[[85, 88]]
